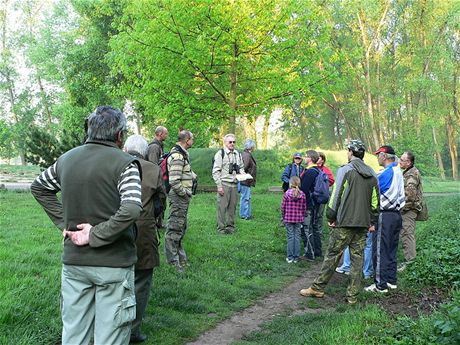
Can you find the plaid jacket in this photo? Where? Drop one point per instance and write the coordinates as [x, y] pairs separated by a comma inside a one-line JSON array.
[[293, 208]]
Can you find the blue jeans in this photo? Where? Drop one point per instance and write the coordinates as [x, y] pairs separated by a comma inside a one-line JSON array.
[[245, 202], [293, 240], [367, 263]]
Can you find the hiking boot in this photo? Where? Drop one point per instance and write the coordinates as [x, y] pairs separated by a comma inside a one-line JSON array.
[[342, 271], [352, 300], [137, 338], [374, 288], [392, 286], [310, 292], [306, 258]]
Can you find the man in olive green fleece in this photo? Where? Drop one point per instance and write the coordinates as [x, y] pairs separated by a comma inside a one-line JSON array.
[[352, 211], [181, 179], [101, 198]]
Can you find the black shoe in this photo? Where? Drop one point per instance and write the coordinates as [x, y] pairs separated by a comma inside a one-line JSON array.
[[137, 338]]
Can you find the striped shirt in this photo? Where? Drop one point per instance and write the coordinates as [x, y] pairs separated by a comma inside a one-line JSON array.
[[129, 183]]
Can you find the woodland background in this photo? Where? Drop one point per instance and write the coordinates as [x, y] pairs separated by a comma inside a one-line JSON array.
[[318, 72]]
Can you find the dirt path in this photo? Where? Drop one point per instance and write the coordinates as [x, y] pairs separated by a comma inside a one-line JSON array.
[[264, 310]]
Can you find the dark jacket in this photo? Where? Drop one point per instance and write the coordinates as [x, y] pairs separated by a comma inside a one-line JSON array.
[[355, 197], [88, 178], [155, 151], [291, 170], [307, 184], [153, 191], [250, 167]]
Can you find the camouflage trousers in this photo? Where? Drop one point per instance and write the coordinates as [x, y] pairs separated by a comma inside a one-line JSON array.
[[177, 225], [355, 239]]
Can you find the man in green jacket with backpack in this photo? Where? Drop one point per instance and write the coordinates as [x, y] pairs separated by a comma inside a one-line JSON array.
[[352, 211]]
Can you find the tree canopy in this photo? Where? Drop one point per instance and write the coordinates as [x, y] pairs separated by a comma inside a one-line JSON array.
[[383, 71]]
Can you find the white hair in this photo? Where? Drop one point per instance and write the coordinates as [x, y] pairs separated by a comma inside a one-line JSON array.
[[136, 143], [249, 144]]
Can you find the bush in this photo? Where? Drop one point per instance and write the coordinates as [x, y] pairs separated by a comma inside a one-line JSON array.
[[438, 249]]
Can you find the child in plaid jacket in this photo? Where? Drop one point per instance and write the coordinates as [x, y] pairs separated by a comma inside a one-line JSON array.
[[293, 209]]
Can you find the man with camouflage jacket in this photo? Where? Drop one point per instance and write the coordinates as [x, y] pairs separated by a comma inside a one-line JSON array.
[[181, 179], [414, 197]]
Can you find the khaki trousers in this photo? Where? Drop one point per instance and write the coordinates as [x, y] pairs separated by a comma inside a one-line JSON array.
[[407, 235], [355, 239], [98, 303], [226, 207], [177, 226]]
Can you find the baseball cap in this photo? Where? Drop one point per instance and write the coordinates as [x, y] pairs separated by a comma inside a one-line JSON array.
[[297, 155], [385, 149]]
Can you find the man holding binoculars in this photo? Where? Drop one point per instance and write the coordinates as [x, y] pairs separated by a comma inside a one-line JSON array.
[[227, 163]]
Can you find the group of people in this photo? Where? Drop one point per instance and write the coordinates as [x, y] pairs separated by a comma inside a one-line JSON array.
[[367, 214], [113, 198]]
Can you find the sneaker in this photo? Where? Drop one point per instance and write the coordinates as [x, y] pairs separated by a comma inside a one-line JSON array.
[[341, 271], [295, 261], [374, 288], [289, 261], [392, 286], [310, 292]]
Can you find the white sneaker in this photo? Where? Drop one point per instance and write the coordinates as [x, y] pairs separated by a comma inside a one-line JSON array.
[[392, 286], [374, 288], [289, 261], [341, 271]]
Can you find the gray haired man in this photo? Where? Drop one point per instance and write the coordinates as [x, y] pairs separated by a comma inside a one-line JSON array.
[[227, 163], [100, 200], [147, 240]]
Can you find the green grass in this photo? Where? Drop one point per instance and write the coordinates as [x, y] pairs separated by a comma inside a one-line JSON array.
[[366, 323], [227, 273]]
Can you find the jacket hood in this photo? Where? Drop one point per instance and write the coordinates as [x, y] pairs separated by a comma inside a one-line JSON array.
[[361, 167]]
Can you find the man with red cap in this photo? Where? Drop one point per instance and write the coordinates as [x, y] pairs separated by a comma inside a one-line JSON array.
[[386, 237]]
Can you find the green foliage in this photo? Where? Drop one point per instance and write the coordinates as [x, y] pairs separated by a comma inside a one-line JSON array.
[[6, 146], [447, 328], [43, 148], [438, 249]]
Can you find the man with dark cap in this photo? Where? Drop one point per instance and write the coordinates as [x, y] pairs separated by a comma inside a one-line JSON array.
[[351, 212], [386, 238]]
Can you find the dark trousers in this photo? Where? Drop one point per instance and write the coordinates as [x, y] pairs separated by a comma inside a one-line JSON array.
[[311, 234], [143, 284], [385, 247]]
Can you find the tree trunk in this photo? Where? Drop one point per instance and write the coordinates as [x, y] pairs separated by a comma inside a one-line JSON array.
[[438, 155], [233, 91]]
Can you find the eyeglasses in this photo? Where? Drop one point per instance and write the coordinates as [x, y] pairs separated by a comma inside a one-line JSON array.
[[232, 142], [297, 157]]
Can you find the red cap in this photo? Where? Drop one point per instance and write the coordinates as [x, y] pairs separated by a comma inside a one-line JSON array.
[[385, 149]]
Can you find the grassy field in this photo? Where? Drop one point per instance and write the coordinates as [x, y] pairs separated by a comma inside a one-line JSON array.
[[227, 274]]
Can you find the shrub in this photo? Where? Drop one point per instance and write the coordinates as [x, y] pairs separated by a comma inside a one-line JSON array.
[[438, 249]]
